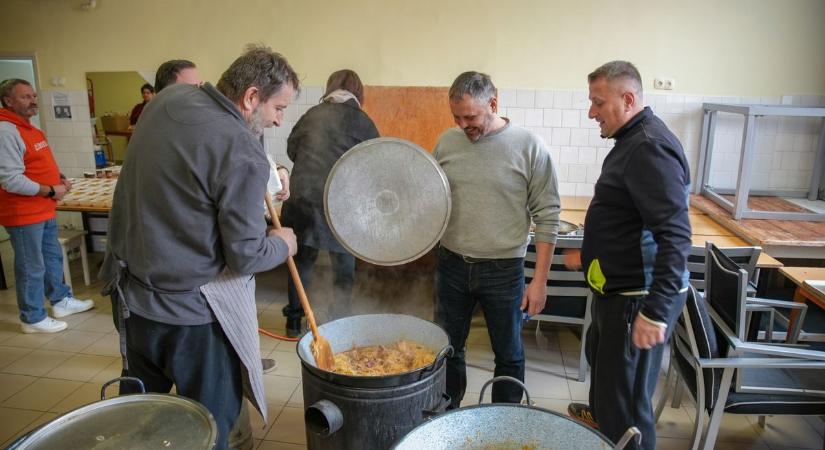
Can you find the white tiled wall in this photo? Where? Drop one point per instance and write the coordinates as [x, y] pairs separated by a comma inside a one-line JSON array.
[[275, 138], [785, 147], [70, 140]]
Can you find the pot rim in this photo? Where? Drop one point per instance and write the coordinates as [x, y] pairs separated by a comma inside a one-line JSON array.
[[61, 421], [393, 380], [467, 409]]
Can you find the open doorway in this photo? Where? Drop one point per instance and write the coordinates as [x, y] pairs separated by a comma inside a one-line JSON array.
[[20, 66]]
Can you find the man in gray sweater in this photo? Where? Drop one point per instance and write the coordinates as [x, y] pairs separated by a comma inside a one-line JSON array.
[[500, 177], [187, 234]]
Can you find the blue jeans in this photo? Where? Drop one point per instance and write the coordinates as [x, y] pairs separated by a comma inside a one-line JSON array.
[[498, 286], [38, 268]]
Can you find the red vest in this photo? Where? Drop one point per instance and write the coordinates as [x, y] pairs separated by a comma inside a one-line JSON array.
[[40, 167]]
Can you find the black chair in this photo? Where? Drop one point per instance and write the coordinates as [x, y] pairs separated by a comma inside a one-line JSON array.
[[708, 349], [746, 258], [568, 295]]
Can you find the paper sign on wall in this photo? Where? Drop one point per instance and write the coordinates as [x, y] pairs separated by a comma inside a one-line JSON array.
[[61, 105]]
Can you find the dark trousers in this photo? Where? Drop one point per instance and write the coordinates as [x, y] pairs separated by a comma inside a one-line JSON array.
[[198, 360], [497, 286], [623, 376], [343, 267]]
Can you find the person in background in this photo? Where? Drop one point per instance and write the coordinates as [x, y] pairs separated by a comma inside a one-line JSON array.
[[176, 71], [148, 92], [637, 238], [321, 136], [186, 237], [501, 177], [30, 185]]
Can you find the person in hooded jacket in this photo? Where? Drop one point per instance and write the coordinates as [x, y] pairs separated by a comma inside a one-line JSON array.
[[321, 136]]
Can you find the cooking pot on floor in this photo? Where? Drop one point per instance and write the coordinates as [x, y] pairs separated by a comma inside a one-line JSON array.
[[135, 422], [506, 426], [371, 412]]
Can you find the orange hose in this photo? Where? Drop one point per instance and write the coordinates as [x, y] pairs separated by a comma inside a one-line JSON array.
[[277, 336]]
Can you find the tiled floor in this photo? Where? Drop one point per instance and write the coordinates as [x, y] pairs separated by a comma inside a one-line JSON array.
[[42, 376]]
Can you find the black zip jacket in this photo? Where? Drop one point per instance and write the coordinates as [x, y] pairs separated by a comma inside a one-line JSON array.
[[637, 231]]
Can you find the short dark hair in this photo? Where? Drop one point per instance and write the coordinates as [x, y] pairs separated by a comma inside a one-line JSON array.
[[347, 80], [258, 67], [475, 84], [147, 86], [618, 70], [167, 73], [6, 86]]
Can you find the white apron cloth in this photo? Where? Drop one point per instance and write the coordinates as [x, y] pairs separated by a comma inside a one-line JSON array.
[[232, 299]]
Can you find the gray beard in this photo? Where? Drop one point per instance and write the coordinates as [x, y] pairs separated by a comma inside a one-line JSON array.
[[256, 122]]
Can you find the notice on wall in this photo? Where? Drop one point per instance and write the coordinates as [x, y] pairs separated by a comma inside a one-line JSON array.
[[61, 105]]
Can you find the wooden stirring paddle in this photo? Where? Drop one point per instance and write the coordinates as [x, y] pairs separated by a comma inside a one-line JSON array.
[[321, 350]]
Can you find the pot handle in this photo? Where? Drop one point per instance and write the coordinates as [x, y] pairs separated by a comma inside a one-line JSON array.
[[323, 418], [630, 434], [121, 379], [445, 352], [504, 378], [439, 408]]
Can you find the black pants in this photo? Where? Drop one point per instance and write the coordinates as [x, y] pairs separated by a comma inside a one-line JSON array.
[[198, 360], [623, 376], [343, 267]]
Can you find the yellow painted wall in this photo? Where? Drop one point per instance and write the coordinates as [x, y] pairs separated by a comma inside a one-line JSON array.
[[116, 93], [730, 47]]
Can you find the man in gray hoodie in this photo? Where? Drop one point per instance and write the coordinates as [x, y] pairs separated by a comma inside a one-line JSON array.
[[187, 235]]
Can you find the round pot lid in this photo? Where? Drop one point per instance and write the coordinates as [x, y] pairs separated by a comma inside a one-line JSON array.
[[387, 201], [138, 421]]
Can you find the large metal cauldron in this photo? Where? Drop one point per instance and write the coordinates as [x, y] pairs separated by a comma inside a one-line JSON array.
[[349, 412], [136, 422], [505, 426]]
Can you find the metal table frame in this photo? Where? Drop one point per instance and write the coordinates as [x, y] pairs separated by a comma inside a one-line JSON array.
[[739, 207]]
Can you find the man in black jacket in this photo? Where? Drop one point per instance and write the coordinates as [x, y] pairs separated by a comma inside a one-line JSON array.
[[636, 241]]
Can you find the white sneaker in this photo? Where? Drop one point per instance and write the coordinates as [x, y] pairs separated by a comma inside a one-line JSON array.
[[47, 325], [71, 305]]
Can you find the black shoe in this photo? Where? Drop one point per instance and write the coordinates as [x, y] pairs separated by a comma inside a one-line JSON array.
[[293, 326], [581, 413], [268, 365]]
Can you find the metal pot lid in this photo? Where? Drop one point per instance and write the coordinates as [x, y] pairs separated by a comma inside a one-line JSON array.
[[139, 421], [387, 201]]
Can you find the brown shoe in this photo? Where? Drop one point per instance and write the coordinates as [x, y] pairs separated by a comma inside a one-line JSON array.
[[583, 414]]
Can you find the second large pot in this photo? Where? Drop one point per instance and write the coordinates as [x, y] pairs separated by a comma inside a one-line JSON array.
[[506, 426]]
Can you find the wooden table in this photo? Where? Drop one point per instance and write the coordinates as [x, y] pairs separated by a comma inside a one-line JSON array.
[[803, 292], [704, 229]]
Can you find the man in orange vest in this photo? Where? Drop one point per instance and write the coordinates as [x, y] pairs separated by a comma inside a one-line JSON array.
[[30, 185]]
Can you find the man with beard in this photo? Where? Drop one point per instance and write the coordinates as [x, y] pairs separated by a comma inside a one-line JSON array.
[[186, 236], [30, 185], [500, 177]]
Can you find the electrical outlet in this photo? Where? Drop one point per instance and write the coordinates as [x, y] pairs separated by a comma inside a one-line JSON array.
[[666, 84]]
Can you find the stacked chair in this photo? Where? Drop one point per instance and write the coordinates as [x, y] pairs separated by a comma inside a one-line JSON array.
[[568, 295], [726, 373]]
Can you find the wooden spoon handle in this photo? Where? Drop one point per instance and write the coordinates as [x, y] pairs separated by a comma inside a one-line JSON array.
[[293, 271]]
